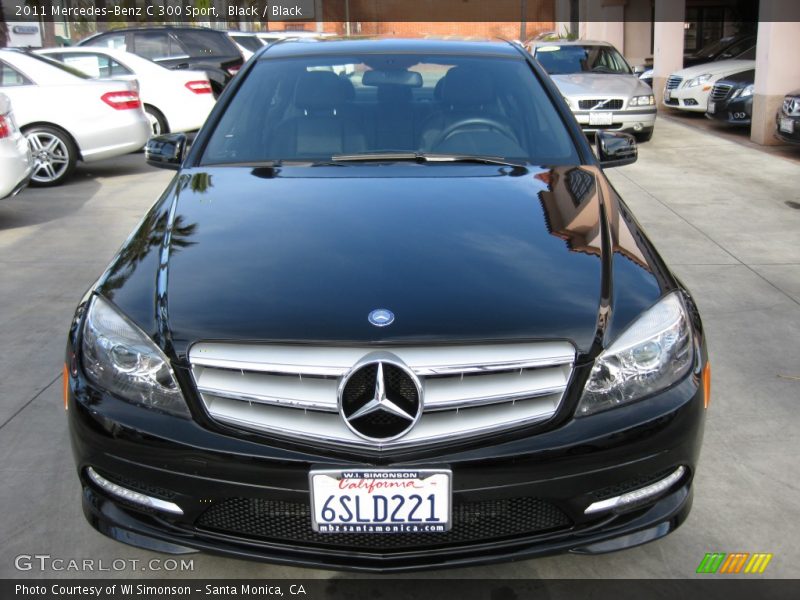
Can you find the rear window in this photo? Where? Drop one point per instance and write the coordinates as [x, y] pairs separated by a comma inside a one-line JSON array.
[[313, 108], [206, 43], [249, 42], [562, 60]]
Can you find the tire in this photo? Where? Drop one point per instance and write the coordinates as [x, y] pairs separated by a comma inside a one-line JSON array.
[[158, 124], [644, 136], [54, 155]]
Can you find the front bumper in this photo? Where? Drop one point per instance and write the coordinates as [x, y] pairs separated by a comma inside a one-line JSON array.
[[737, 111], [693, 99], [792, 137], [632, 120], [16, 166], [564, 469]]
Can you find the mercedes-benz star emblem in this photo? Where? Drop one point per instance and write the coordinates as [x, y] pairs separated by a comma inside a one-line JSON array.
[[380, 399], [381, 317]]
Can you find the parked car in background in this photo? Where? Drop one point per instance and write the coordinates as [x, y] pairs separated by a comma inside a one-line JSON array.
[[727, 48], [16, 163], [174, 100], [787, 120], [689, 89], [247, 42], [67, 116], [483, 357], [195, 48], [599, 86], [731, 99]]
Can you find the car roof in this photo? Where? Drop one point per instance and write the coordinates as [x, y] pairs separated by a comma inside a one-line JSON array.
[[302, 47], [538, 43]]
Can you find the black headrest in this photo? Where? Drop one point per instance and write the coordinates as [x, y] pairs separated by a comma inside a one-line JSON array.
[[318, 90], [468, 87], [394, 94], [349, 88]]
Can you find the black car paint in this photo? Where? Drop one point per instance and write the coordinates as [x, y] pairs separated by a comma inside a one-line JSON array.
[[725, 109], [791, 138], [564, 458]]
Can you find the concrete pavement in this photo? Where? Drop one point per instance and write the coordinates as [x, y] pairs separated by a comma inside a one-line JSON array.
[[722, 214]]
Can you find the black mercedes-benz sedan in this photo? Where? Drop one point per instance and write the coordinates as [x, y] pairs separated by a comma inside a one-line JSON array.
[[731, 99], [388, 315], [787, 119]]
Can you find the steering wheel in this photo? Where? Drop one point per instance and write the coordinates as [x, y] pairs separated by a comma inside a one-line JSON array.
[[485, 122]]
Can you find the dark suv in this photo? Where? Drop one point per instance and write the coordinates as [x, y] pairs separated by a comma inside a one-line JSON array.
[[178, 48]]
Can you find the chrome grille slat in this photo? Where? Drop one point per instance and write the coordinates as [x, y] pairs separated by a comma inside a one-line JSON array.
[[601, 103], [673, 82], [292, 390], [720, 91]]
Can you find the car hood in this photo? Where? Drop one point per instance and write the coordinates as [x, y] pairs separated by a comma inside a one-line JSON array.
[[583, 84], [719, 68], [457, 253]]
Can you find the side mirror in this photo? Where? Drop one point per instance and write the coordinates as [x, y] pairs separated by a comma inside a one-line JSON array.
[[166, 151], [615, 149]]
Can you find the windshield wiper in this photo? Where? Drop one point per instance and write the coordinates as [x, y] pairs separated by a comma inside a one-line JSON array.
[[424, 157]]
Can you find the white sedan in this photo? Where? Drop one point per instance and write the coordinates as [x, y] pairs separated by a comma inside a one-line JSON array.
[[15, 156], [174, 100], [68, 117], [689, 89]]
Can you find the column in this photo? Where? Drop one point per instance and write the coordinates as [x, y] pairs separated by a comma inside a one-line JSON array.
[[667, 43]]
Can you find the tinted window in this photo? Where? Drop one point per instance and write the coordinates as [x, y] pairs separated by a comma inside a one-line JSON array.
[[10, 77], [207, 43], [312, 108], [116, 41], [734, 50], [559, 60], [152, 44], [250, 42]]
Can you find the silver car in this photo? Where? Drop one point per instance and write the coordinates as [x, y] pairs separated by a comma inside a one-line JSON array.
[[599, 86], [16, 163]]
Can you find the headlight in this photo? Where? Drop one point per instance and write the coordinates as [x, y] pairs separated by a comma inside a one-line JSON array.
[[747, 91], [642, 101], [120, 358], [652, 354], [698, 80]]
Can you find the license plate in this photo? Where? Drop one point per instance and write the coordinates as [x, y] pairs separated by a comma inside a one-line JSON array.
[[667, 95], [380, 501], [712, 107], [600, 118], [787, 125]]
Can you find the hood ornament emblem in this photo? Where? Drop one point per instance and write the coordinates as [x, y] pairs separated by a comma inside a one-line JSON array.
[[381, 317]]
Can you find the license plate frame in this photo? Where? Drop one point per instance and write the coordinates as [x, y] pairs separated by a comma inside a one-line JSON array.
[[601, 118], [434, 516], [786, 125]]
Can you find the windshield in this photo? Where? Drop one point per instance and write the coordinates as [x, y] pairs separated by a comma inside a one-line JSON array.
[[563, 60], [315, 108]]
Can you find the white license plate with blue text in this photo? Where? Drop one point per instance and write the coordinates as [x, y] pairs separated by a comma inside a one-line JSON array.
[[381, 501]]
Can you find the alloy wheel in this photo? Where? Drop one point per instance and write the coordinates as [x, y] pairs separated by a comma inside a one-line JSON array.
[[50, 156]]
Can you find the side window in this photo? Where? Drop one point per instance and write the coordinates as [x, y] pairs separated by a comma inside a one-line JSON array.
[[152, 44], [96, 65], [116, 41], [10, 77]]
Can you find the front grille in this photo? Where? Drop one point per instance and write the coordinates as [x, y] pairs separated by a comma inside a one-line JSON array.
[[673, 82], [473, 522], [672, 102], [601, 103], [720, 91], [292, 390]]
